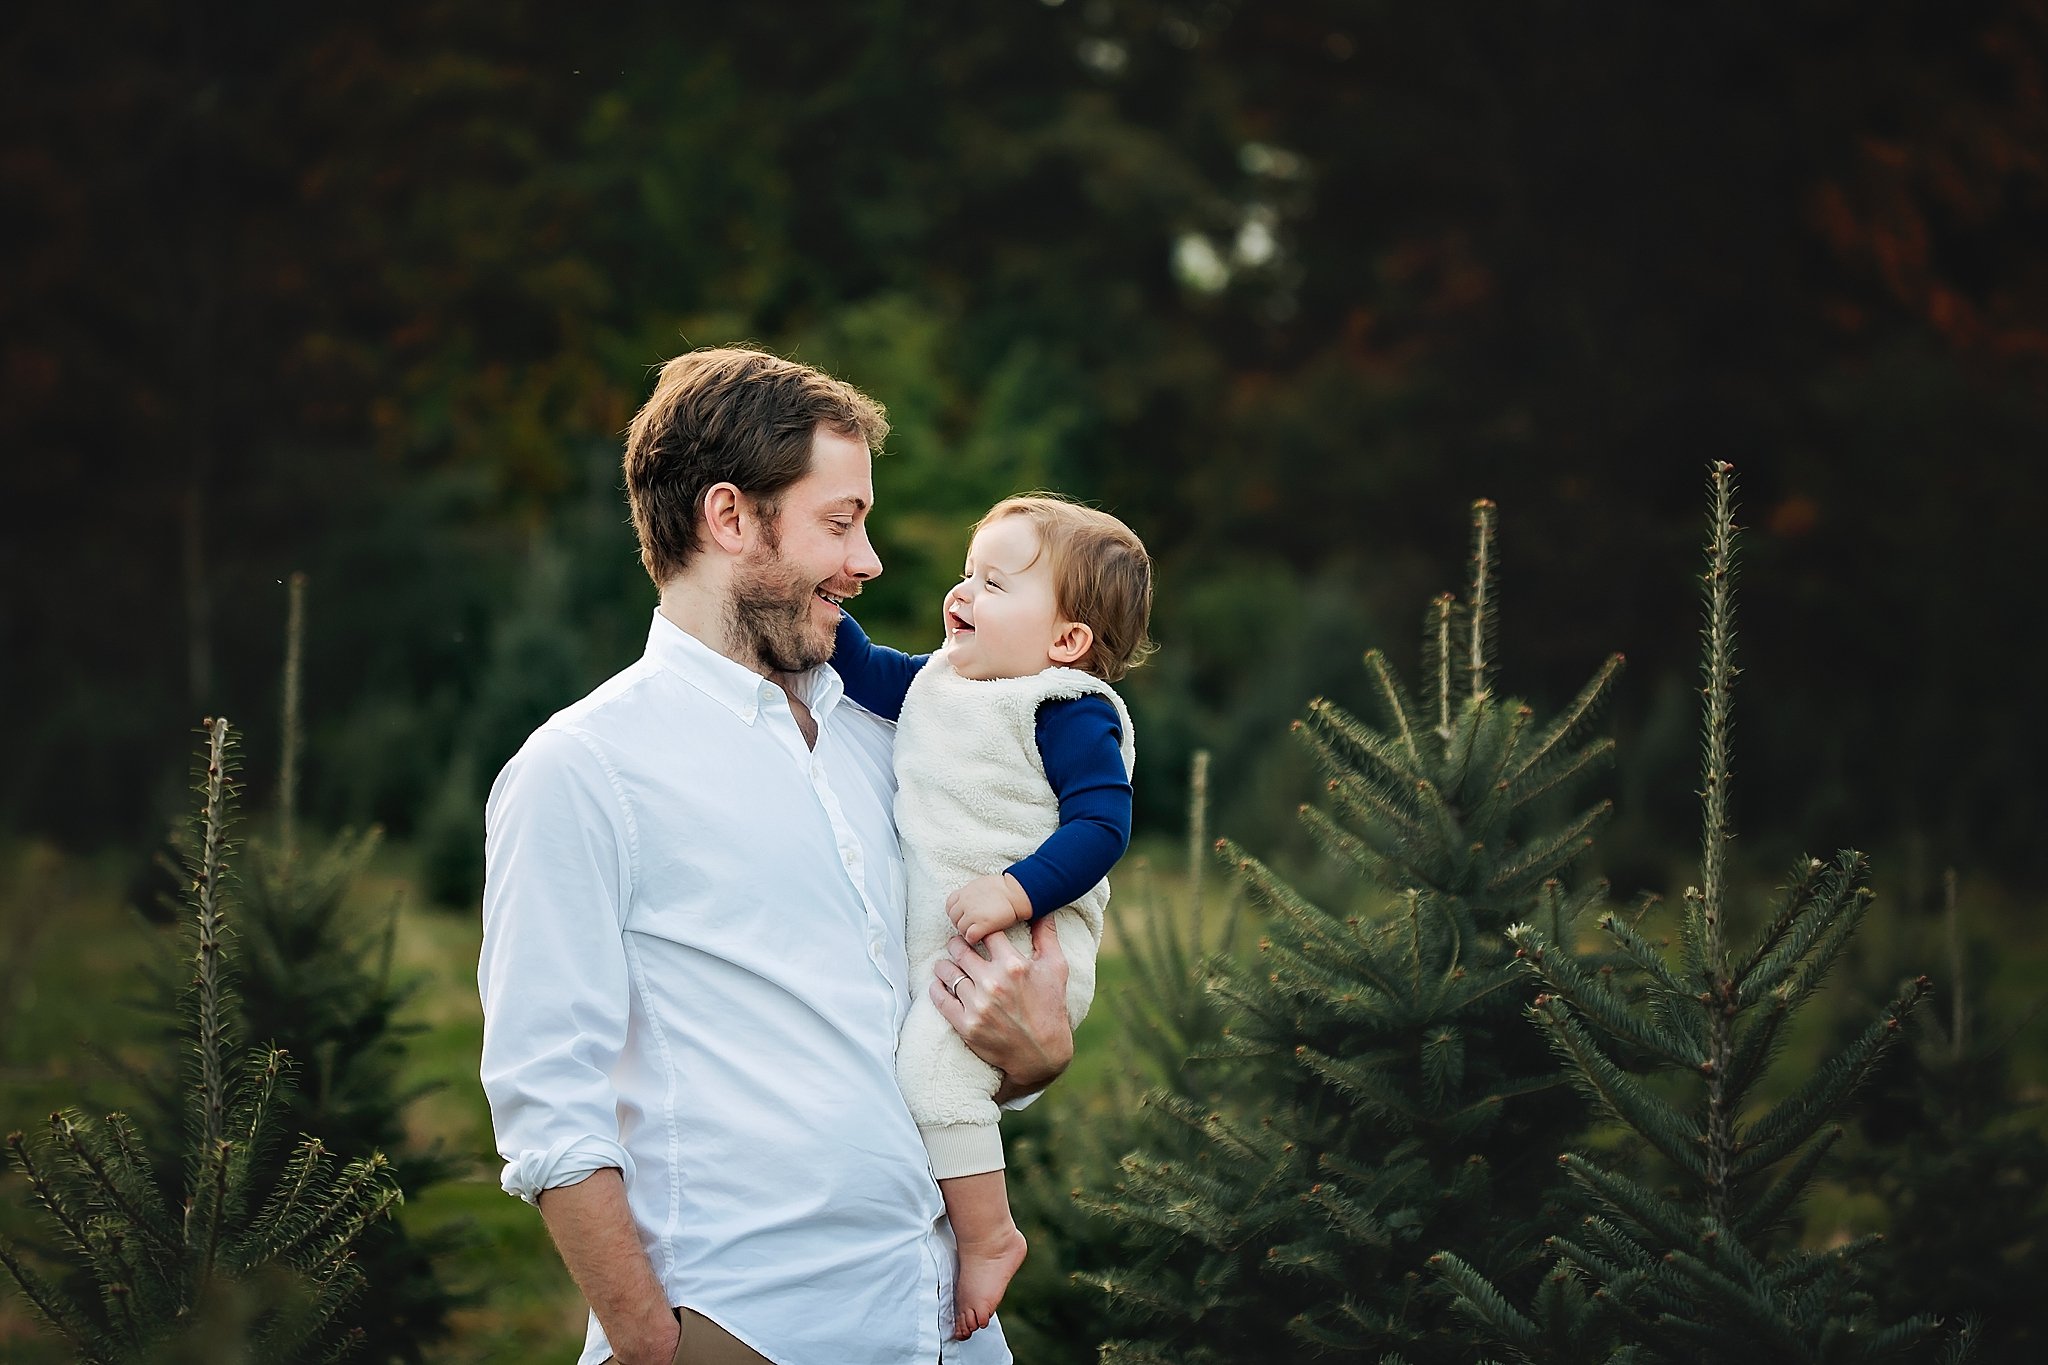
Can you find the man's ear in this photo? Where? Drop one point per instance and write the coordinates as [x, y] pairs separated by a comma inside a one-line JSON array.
[[1071, 644], [725, 510]]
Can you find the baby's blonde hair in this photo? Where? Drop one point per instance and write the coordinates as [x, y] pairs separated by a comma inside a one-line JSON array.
[[1101, 577]]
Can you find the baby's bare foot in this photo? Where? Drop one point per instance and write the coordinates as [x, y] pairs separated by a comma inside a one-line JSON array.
[[986, 1265]]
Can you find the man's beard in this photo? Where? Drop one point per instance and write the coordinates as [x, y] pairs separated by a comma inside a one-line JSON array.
[[769, 616]]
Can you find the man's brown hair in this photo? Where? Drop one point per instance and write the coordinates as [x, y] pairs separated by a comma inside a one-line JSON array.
[[1101, 577], [732, 415]]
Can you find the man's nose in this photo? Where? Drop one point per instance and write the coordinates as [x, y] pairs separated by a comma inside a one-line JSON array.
[[862, 562]]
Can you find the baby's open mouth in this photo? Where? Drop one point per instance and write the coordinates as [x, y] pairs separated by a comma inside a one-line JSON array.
[[958, 624]]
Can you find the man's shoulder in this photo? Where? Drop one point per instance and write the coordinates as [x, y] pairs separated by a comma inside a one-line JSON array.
[[596, 726], [612, 703]]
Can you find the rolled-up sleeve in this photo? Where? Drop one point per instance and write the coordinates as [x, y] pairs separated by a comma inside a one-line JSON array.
[[558, 871]]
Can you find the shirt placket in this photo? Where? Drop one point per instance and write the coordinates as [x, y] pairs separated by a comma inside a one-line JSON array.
[[852, 856]]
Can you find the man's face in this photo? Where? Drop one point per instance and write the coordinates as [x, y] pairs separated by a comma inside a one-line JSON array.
[[784, 609]]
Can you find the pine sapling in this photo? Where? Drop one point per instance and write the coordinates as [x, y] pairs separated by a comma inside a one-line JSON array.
[[317, 982], [1381, 1096], [161, 1269], [1687, 1261]]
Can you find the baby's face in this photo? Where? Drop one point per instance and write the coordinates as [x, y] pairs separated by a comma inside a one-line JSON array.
[[1001, 617]]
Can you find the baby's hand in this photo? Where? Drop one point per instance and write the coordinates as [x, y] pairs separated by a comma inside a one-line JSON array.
[[987, 905]]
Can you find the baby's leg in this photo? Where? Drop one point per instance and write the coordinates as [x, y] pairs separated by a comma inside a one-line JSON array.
[[990, 1246], [948, 1091]]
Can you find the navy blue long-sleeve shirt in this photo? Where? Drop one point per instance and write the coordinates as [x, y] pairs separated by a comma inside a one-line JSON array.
[[1080, 743]]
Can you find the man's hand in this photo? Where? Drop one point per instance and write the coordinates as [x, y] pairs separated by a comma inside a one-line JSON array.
[[987, 905], [1009, 1009]]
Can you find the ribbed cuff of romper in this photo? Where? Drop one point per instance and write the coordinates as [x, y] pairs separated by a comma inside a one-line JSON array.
[[568, 1161], [963, 1148]]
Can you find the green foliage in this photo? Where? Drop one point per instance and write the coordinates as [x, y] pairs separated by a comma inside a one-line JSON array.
[[451, 838], [404, 271], [1167, 1025], [268, 1258], [569, 612], [1686, 1259], [1371, 1092], [1957, 1158], [324, 993], [314, 985]]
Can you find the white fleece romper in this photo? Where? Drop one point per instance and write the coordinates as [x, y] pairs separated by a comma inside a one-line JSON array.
[[971, 799]]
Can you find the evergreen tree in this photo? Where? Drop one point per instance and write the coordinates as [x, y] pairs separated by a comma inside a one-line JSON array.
[[237, 1263], [1687, 1261], [1380, 1095], [310, 982], [315, 983], [1957, 1158]]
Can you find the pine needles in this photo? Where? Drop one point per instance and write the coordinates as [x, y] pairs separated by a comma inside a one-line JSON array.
[[1693, 1265], [229, 1268], [1376, 1092], [1614, 1184]]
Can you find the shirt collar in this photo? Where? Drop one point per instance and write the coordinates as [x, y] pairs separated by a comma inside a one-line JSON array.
[[730, 683]]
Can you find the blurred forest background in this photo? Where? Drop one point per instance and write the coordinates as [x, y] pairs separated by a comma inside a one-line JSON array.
[[369, 292]]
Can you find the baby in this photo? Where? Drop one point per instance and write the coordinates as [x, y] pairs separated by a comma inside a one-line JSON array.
[[1013, 800]]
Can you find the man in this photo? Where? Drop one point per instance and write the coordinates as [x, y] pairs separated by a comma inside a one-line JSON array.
[[693, 967]]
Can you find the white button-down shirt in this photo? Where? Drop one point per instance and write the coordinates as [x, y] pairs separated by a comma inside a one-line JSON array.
[[693, 970]]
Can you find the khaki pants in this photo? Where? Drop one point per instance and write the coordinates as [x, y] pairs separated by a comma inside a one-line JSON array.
[[704, 1342]]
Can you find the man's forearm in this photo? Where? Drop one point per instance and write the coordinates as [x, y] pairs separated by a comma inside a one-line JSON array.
[[593, 1230]]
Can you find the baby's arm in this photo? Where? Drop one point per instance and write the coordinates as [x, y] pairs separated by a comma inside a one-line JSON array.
[[1079, 741], [874, 675]]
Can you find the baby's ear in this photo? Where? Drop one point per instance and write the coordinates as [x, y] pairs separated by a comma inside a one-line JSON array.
[[1071, 644]]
